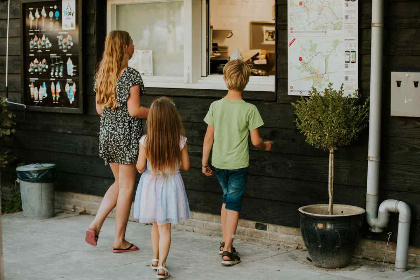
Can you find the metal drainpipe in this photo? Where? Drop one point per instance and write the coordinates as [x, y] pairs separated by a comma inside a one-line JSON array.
[[378, 222]]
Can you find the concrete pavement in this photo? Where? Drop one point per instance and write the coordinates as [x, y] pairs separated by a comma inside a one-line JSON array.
[[55, 249]]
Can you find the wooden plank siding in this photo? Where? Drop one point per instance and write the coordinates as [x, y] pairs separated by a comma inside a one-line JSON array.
[[292, 175]]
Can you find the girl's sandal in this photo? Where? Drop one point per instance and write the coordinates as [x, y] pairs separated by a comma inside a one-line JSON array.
[[233, 259], [154, 267], [163, 276]]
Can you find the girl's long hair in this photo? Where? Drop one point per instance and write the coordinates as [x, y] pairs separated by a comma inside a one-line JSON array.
[[114, 60], [164, 131]]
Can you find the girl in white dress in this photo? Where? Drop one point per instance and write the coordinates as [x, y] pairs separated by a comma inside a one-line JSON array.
[[161, 198]]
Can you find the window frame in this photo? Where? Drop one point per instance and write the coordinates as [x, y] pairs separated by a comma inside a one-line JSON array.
[[195, 51]]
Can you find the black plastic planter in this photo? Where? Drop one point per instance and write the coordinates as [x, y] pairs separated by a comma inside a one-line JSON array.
[[331, 239]]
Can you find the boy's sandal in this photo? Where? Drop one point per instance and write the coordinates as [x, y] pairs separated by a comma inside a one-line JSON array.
[[234, 259], [91, 237], [131, 248], [154, 267], [221, 247], [163, 276]]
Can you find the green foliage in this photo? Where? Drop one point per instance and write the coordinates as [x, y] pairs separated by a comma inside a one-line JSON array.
[[6, 123], [13, 202], [331, 120]]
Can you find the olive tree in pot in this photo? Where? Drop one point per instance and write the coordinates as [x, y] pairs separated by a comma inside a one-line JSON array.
[[330, 120]]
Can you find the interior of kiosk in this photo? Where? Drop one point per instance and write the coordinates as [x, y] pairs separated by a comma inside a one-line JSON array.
[[245, 27]]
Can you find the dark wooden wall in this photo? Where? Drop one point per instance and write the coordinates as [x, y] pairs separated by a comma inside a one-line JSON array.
[[292, 175]]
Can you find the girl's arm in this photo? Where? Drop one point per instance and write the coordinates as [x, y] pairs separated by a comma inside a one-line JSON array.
[[185, 159], [258, 142], [208, 143], [133, 104], [141, 161]]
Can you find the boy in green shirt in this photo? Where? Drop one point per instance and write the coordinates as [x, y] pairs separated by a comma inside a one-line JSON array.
[[230, 121]]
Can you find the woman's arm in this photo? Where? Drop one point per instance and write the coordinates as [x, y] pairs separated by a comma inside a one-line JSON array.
[[99, 107], [208, 143], [258, 142], [142, 160], [185, 159], [133, 104]]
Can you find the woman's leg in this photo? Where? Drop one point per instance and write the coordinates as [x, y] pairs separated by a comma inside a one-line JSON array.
[[164, 244], [127, 176], [155, 242], [108, 202]]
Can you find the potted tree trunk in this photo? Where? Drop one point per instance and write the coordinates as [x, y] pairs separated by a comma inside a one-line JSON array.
[[330, 120]]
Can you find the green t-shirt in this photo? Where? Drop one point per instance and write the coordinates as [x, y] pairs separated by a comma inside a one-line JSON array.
[[232, 121]]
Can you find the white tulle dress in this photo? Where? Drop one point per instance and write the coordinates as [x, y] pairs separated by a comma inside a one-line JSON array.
[[161, 198]]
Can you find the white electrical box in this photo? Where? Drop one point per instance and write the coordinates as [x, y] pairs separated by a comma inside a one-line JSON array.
[[405, 94]]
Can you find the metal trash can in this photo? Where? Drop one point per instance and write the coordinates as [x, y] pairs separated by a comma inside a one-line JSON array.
[[37, 189]]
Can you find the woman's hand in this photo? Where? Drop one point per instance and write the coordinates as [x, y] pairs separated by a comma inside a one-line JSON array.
[[133, 104]]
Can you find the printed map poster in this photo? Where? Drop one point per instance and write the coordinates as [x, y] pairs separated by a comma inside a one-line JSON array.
[[69, 14], [323, 45]]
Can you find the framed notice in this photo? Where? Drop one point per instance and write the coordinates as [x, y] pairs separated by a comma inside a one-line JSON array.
[[52, 56]]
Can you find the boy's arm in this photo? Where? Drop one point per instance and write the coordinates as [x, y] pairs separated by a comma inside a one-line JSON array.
[[207, 145], [258, 142], [141, 161]]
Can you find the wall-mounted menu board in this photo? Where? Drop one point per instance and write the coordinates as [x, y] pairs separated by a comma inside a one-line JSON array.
[[52, 56]]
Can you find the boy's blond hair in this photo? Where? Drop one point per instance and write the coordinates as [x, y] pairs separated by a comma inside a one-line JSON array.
[[236, 74]]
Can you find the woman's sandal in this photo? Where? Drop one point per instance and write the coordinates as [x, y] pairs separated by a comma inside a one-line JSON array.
[[154, 267], [163, 276], [91, 237], [131, 248], [234, 259]]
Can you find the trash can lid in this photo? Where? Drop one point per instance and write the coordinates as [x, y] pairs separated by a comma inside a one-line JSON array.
[[36, 166]]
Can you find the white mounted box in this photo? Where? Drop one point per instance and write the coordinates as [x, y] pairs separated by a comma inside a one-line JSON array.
[[405, 94]]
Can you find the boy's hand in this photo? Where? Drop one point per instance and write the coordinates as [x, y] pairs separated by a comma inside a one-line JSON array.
[[207, 170], [268, 145]]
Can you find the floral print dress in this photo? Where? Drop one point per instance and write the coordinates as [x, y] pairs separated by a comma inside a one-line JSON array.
[[120, 133]]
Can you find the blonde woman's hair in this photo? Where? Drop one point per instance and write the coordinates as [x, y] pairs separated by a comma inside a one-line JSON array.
[[236, 74], [164, 131], [114, 60]]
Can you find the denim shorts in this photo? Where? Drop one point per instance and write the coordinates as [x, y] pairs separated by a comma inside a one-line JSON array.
[[233, 184]]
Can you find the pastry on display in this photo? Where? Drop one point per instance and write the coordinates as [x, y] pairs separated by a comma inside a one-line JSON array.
[[70, 67], [43, 16], [70, 91], [31, 19], [57, 92], [40, 43], [37, 16], [65, 43], [38, 67]]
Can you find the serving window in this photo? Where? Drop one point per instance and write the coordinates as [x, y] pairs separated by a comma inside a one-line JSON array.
[[186, 43]]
